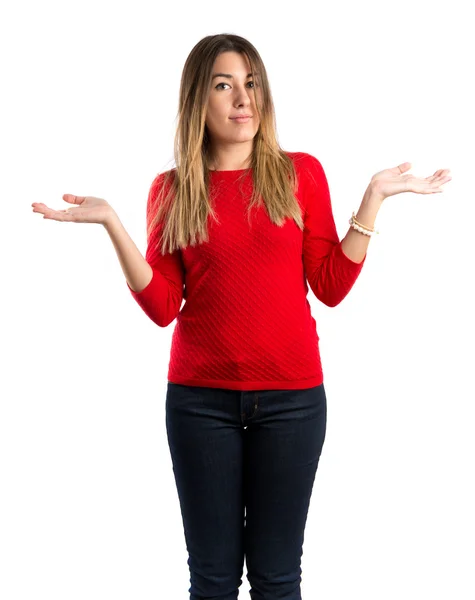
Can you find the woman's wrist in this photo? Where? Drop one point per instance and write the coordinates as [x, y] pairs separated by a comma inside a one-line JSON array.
[[369, 207]]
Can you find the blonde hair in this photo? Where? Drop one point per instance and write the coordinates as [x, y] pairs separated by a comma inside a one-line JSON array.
[[182, 204]]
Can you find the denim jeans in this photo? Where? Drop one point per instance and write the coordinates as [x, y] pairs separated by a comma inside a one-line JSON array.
[[244, 464]]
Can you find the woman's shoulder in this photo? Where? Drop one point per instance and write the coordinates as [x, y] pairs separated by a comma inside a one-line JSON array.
[[164, 177], [304, 159], [308, 166], [161, 183]]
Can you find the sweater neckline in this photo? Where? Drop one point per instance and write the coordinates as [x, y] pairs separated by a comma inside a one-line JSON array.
[[230, 172]]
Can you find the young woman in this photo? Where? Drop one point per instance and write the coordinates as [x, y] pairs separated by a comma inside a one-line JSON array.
[[239, 230]]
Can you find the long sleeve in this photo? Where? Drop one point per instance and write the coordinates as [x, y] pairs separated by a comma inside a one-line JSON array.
[[330, 273], [162, 298]]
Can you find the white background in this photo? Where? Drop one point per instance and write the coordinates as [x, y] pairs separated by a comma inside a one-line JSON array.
[[88, 503]]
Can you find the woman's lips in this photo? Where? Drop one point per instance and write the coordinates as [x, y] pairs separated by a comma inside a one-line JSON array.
[[241, 119]]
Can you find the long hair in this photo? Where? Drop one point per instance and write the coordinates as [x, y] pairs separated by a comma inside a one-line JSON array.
[[182, 204]]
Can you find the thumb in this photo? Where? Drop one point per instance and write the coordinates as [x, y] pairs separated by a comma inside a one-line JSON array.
[[72, 199], [405, 166]]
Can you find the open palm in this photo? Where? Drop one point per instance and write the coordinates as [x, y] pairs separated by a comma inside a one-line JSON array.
[[396, 181], [86, 209]]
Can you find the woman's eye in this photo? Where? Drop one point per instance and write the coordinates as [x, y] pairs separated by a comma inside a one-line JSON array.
[[223, 83]]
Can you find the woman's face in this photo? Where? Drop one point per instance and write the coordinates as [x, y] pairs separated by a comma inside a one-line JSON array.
[[229, 97]]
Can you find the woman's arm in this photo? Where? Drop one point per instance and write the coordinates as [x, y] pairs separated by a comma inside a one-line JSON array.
[[355, 244], [137, 271]]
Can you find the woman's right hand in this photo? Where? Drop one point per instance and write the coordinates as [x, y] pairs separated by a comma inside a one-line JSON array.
[[86, 209]]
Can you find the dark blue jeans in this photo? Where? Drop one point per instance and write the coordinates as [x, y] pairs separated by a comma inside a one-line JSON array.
[[244, 466]]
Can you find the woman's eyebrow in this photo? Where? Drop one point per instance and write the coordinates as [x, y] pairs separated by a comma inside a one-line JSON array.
[[229, 76]]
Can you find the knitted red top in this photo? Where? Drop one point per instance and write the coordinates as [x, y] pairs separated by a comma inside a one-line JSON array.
[[246, 323]]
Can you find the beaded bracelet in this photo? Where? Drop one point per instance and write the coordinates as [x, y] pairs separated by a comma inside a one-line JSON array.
[[360, 227]]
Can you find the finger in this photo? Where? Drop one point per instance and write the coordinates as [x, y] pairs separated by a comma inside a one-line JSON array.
[[74, 199], [441, 174], [39, 207], [431, 190], [402, 168], [422, 186], [58, 215], [437, 186]]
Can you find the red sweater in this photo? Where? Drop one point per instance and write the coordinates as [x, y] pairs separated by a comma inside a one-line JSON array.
[[246, 323]]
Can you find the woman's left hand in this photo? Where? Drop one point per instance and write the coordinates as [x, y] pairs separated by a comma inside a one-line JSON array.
[[394, 181]]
